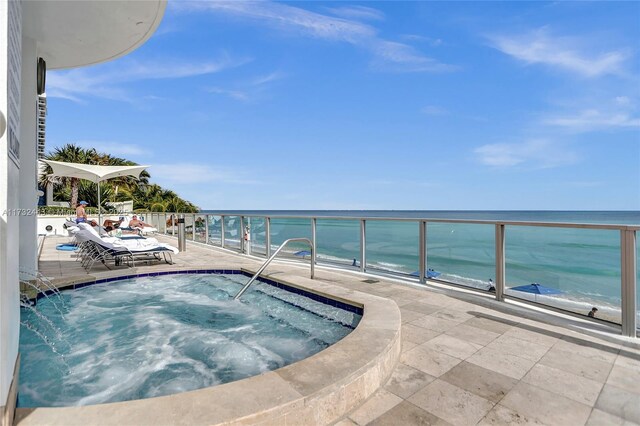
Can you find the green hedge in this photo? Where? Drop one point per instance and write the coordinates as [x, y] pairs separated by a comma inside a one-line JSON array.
[[64, 211]]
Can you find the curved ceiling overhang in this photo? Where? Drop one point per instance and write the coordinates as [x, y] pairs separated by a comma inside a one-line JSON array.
[[72, 34]]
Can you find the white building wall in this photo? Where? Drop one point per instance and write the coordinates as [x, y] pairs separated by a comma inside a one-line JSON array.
[[28, 186], [10, 75], [49, 24]]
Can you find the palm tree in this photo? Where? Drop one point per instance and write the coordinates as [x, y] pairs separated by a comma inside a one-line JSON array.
[[68, 153], [145, 196]]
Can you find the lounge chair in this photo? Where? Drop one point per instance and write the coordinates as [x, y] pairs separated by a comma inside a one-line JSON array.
[[124, 225], [93, 252], [106, 249]]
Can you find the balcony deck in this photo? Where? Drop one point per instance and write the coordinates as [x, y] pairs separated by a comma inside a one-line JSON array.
[[466, 359]]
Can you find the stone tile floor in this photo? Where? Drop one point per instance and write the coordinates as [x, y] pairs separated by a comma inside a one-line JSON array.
[[466, 359]]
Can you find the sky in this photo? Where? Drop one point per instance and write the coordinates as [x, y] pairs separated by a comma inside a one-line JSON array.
[[373, 105]]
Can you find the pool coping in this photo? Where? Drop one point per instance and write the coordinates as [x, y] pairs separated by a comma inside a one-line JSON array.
[[316, 390]]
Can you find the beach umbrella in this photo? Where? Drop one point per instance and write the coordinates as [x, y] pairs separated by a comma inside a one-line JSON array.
[[93, 173], [536, 288], [302, 253], [430, 273]]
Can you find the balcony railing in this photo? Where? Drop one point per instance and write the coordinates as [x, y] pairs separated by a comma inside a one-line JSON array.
[[577, 265]]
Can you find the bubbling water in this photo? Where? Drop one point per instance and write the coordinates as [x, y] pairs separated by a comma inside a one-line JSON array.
[[154, 336]]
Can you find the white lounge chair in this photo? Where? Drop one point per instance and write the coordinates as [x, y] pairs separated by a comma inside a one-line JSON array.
[[105, 249], [144, 230]]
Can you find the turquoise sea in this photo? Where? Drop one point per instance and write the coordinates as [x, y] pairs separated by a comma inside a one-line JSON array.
[[582, 264]]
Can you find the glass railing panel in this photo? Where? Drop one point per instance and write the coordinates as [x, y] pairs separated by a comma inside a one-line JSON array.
[[152, 219], [637, 285], [392, 246], [215, 230], [162, 223], [200, 228], [338, 242], [461, 253], [188, 226], [284, 228], [172, 224], [232, 232], [145, 217], [257, 226], [575, 269]]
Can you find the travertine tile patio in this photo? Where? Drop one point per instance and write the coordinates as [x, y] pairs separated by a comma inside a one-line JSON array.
[[467, 359]]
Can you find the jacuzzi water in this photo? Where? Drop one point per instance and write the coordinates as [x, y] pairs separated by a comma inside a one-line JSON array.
[[153, 336]]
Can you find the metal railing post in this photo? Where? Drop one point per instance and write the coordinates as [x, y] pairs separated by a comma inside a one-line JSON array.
[[500, 261], [241, 234], [222, 231], [193, 227], [628, 278], [247, 228], [267, 236], [363, 245], [206, 229], [422, 251], [182, 236], [313, 241], [164, 224]]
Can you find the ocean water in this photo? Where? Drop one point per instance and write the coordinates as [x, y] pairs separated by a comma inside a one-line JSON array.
[[582, 264]]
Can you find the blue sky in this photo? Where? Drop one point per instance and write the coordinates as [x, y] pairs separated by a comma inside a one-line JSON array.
[[373, 105]]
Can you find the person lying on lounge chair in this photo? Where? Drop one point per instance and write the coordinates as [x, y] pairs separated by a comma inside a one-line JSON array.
[[137, 223], [112, 223]]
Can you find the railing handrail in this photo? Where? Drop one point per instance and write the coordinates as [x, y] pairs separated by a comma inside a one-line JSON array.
[[265, 264], [579, 225]]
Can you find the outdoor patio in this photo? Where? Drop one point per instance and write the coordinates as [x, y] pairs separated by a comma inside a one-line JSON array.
[[466, 359]]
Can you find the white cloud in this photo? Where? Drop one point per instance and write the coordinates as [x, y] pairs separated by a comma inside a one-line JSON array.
[[287, 18], [250, 90], [537, 153], [234, 94], [115, 148], [623, 101], [118, 149], [192, 173], [395, 56], [389, 55], [402, 183], [76, 85], [584, 184], [593, 119], [105, 82], [357, 12], [433, 42], [274, 76], [434, 110], [567, 53]]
